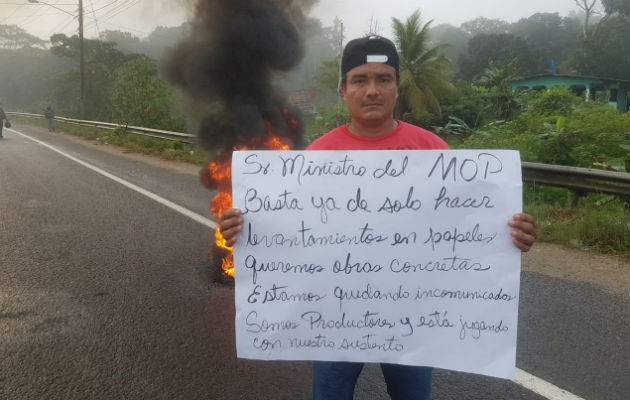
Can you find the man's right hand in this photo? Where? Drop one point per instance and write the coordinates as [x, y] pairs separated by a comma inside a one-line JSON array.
[[230, 224]]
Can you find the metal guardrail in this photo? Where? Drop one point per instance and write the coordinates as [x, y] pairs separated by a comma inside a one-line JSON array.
[[579, 180], [158, 133]]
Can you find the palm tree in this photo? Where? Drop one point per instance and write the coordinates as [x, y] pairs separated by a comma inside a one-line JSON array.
[[504, 101], [424, 72], [499, 77]]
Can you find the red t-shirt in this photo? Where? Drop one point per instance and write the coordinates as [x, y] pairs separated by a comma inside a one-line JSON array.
[[404, 137]]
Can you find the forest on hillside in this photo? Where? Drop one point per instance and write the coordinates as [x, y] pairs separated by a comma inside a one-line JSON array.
[[124, 84]]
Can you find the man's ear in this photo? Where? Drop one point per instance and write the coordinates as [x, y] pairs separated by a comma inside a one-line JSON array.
[[342, 90], [341, 87]]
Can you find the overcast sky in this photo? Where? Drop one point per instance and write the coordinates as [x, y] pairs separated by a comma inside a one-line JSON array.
[[142, 16]]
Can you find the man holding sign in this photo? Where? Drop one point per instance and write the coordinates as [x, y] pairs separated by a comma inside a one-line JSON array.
[[370, 70]]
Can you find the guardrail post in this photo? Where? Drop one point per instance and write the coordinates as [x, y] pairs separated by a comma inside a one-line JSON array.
[[574, 198]]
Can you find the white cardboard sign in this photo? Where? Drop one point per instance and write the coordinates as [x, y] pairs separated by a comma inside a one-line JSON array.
[[378, 256]]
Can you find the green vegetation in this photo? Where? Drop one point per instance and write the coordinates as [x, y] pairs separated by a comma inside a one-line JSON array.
[[557, 127], [141, 98], [599, 222], [163, 148], [327, 119], [424, 72], [38, 73]]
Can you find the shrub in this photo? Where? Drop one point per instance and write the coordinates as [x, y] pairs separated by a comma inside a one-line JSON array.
[[559, 100]]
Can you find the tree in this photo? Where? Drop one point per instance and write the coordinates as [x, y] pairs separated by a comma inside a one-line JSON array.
[[502, 100], [607, 52], [621, 7], [140, 98], [164, 38], [323, 51], [485, 25], [423, 70], [454, 39], [552, 36], [605, 47], [101, 61], [590, 8], [95, 51], [499, 77], [14, 37], [125, 41], [329, 75], [500, 49], [28, 76], [318, 45]]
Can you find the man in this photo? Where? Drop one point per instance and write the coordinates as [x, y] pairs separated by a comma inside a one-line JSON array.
[[3, 117], [369, 87], [50, 116]]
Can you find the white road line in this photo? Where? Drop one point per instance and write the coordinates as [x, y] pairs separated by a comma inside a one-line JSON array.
[[176, 207], [525, 379], [543, 388]]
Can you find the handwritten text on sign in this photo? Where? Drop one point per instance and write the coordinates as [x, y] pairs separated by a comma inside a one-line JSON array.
[[385, 256]]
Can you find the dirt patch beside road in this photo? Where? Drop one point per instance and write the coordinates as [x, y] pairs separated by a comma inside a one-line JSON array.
[[609, 272]]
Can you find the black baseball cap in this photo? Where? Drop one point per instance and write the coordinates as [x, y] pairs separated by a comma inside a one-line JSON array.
[[370, 49]]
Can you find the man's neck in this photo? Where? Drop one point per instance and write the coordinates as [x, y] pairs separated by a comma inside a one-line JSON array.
[[369, 130]]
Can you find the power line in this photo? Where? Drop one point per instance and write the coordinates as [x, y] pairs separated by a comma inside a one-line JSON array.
[[122, 9], [33, 16], [95, 20], [108, 11], [51, 14], [10, 15], [36, 15], [65, 24], [107, 5], [36, 4], [117, 9], [117, 5], [112, 9]]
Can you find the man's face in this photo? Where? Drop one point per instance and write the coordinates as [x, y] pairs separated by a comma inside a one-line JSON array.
[[370, 92]]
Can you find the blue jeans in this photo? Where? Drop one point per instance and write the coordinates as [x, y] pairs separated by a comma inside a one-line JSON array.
[[336, 381]]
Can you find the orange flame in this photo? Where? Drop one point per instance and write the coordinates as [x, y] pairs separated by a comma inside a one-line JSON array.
[[221, 172]]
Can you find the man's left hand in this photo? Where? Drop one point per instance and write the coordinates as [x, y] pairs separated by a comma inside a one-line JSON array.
[[524, 231]]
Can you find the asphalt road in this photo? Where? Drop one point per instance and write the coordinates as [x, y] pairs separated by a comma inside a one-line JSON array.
[[107, 294]]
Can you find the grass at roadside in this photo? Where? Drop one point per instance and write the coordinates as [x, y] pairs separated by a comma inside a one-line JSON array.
[[599, 222], [168, 149]]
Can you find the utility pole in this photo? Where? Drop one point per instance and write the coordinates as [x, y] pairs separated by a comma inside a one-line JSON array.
[[81, 57], [340, 57]]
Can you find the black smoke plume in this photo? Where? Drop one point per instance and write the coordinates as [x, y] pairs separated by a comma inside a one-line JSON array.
[[227, 64]]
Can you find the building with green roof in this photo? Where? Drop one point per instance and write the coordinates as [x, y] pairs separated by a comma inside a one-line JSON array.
[[590, 87]]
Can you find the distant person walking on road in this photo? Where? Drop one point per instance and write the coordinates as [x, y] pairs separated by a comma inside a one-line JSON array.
[[50, 117], [3, 117]]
